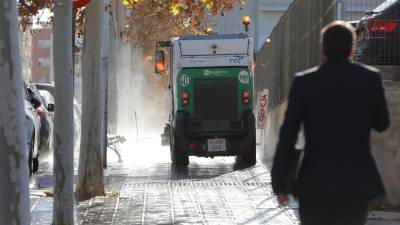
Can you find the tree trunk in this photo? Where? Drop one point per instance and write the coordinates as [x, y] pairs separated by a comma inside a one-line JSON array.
[[105, 63], [90, 172], [63, 207], [116, 18], [14, 197]]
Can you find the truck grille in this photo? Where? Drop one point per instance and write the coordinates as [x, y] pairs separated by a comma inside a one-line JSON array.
[[216, 99]]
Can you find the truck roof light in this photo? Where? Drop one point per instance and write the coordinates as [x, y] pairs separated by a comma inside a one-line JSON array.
[[246, 20]]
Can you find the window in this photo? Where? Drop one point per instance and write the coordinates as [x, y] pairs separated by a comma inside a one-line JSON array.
[[43, 62], [44, 43], [44, 78]]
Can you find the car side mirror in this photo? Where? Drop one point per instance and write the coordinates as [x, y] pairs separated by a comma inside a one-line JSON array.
[[50, 107], [160, 62], [35, 103]]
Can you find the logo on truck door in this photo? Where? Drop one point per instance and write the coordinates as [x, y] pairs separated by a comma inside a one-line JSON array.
[[184, 80], [214, 73], [244, 77]]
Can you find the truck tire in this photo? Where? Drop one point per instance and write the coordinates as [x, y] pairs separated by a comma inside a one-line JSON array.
[[249, 159], [178, 156]]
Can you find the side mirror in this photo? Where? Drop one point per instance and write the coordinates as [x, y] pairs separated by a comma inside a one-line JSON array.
[[159, 62], [35, 102], [50, 107]]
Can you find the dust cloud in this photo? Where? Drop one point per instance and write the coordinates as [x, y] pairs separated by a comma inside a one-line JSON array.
[[143, 97]]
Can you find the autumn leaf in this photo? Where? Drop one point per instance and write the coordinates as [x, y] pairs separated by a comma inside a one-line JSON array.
[[209, 4], [130, 3], [176, 9]]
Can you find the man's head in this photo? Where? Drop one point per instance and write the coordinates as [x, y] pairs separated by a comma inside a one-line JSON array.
[[337, 40]]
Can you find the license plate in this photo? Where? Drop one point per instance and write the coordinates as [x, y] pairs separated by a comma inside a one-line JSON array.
[[216, 145]]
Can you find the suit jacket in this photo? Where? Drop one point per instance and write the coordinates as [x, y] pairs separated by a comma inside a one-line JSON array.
[[338, 103]]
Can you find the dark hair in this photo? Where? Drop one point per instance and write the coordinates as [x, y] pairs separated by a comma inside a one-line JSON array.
[[337, 39]]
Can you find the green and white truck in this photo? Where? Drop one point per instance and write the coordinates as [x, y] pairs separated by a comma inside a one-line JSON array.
[[211, 83]]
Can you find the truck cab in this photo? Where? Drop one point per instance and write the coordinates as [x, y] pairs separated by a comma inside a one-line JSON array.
[[211, 83]]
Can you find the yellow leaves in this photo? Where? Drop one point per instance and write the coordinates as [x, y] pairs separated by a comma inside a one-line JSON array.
[[130, 3], [112, 194], [209, 4], [152, 20], [176, 8]]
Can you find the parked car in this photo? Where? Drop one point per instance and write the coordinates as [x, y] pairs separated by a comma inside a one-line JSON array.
[[77, 110], [49, 101], [354, 23], [378, 40], [32, 128], [46, 87], [46, 128]]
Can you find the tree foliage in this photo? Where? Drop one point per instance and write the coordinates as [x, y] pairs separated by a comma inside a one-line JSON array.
[[151, 20], [29, 9], [147, 20], [30, 12]]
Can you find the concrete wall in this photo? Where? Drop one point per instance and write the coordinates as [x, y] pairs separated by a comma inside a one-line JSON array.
[[270, 134], [386, 146]]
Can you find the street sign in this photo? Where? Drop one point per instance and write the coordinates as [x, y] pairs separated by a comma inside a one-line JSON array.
[[79, 3]]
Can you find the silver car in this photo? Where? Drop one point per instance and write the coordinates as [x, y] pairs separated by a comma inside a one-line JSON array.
[[32, 128]]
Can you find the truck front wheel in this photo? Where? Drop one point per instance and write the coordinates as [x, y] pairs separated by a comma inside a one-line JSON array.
[[178, 156]]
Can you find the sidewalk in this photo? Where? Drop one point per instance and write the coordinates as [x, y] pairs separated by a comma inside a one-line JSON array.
[[147, 190], [205, 193]]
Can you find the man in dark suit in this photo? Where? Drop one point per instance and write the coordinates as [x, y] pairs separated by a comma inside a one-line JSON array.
[[337, 103]]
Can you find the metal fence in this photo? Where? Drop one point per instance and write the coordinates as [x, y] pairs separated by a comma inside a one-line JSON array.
[[294, 43], [292, 46], [354, 10]]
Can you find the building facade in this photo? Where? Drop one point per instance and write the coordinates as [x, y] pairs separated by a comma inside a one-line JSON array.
[[264, 15], [41, 55]]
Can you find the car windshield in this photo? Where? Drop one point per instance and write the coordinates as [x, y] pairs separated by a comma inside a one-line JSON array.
[[47, 97], [385, 5]]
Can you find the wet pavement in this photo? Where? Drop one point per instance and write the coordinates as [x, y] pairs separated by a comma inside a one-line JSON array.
[[146, 189]]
